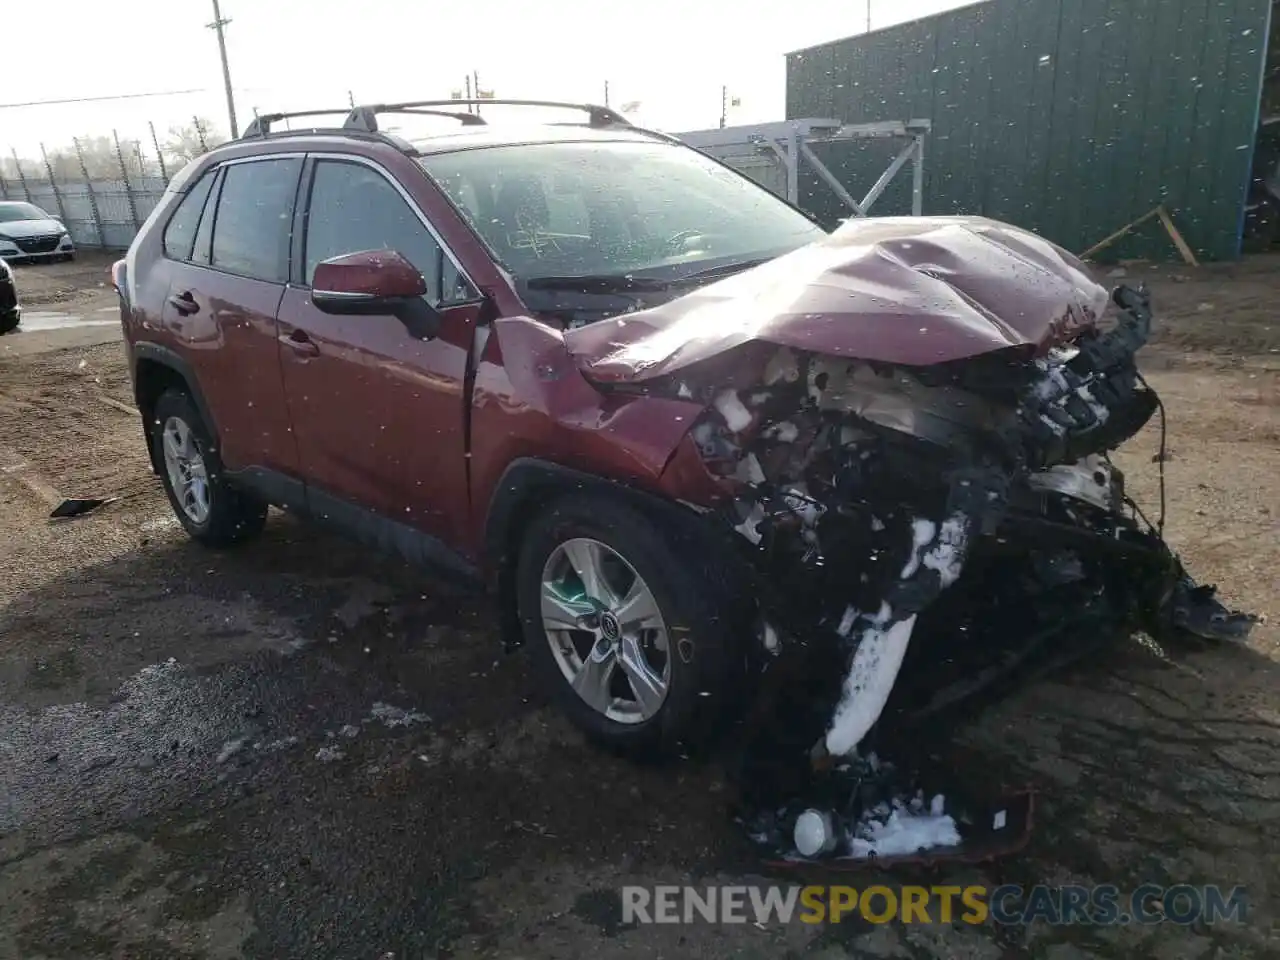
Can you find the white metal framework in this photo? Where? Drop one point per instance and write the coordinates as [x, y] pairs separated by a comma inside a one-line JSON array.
[[771, 154]]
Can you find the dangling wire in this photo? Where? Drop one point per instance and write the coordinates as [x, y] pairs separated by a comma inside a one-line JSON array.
[[1163, 450]]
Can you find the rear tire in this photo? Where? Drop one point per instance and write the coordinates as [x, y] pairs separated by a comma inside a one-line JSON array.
[[702, 665], [209, 509]]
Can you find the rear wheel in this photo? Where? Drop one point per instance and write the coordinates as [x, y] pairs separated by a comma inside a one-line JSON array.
[[208, 508], [622, 625]]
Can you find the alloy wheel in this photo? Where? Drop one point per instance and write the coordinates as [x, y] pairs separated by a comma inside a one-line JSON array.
[[185, 465], [605, 629]]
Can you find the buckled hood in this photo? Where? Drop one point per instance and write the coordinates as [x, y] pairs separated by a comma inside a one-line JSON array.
[[904, 290]]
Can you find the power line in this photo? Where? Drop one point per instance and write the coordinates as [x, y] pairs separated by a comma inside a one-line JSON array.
[[118, 96]]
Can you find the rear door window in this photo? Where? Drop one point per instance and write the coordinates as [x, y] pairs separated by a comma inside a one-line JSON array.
[[180, 233], [255, 216], [355, 208], [202, 252]]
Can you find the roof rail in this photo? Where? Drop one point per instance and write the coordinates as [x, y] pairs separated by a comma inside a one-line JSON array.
[[366, 117]]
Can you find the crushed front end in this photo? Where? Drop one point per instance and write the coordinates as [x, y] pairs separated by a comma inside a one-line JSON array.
[[914, 535]]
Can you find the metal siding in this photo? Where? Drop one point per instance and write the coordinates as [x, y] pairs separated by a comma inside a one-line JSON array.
[[1141, 102]]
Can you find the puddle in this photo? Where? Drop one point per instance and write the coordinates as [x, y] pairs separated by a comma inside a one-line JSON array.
[[33, 320]]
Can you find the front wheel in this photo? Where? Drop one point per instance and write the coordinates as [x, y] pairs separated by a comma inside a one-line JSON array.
[[622, 620], [208, 508]]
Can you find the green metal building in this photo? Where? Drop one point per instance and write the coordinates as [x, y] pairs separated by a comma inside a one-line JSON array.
[[1068, 117]]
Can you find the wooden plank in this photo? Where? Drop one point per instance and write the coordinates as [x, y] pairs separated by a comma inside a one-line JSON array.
[[1123, 231], [1188, 257]]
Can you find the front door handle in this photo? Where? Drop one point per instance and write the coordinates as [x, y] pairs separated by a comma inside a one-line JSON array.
[[301, 344], [184, 303]]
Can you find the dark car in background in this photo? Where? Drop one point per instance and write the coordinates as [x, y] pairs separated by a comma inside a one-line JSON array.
[[29, 233], [10, 311]]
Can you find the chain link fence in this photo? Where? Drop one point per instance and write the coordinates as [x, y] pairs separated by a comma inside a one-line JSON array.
[[102, 188]]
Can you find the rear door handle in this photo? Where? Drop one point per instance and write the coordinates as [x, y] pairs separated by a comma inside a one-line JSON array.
[[300, 343], [184, 303]]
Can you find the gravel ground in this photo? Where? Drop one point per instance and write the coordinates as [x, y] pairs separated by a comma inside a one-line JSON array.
[[299, 749]]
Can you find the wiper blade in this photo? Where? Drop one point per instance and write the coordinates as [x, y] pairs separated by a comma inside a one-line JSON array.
[[724, 270], [602, 283], [625, 283]]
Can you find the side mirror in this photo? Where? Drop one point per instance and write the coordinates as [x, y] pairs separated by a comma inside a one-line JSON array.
[[375, 283]]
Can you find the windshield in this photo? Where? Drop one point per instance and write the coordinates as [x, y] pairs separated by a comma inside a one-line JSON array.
[[21, 211], [615, 208]]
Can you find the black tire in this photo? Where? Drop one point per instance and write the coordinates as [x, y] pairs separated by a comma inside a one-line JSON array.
[[9, 322], [707, 663], [233, 515]]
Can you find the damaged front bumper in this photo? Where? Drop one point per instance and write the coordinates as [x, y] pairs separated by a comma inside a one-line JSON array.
[[943, 524]]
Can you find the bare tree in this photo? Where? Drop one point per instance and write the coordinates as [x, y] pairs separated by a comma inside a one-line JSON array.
[[188, 141]]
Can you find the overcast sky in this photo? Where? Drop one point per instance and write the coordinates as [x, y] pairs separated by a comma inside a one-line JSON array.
[[671, 55]]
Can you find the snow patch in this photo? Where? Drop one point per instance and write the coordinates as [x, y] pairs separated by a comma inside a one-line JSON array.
[[900, 829], [276, 746], [784, 432], [749, 470], [871, 675], [736, 416], [1099, 411], [922, 534], [803, 506], [947, 555], [396, 716], [748, 527], [770, 639], [782, 367], [847, 621]]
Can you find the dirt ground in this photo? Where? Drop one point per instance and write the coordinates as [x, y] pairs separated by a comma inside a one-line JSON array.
[[209, 756], [84, 284]]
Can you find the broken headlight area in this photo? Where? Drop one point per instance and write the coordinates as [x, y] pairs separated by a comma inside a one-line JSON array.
[[917, 535]]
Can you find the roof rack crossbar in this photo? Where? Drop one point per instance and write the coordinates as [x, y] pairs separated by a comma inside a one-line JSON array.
[[365, 117], [260, 125]]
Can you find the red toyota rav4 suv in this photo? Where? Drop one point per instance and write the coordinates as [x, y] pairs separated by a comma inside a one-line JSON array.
[[678, 426], [315, 320]]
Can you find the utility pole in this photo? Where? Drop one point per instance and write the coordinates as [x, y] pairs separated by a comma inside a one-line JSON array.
[[606, 93], [475, 75], [724, 105], [868, 16], [469, 93], [217, 25]]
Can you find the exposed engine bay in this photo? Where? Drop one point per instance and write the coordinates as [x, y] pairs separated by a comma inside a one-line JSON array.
[[947, 522]]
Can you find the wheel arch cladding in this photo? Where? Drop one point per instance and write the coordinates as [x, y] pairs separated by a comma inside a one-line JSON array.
[[157, 369]]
